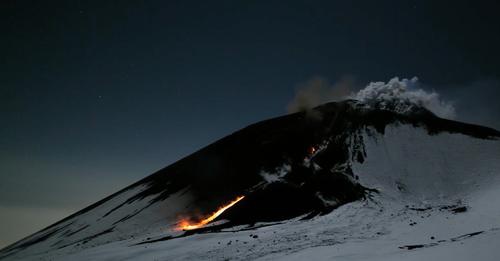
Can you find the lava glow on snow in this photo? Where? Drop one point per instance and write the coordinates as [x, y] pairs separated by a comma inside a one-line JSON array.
[[186, 225]]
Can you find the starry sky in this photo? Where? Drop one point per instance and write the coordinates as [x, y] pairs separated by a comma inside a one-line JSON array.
[[95, 95]]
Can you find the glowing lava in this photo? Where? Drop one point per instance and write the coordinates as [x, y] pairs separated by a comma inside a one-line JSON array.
[[186, 225]]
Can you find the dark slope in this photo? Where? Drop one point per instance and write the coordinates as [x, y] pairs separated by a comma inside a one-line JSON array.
[[313, 183]]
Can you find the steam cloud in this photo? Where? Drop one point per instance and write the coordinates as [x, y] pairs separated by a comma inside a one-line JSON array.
[[403, 95], [399, 95]]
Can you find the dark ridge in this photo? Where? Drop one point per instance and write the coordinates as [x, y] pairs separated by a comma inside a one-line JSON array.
[[262, 205], [131, 215], [32, 241], [455, 239], [455, 208], [422, 118], [459, 210], [115, 208], [412, 247], [158, 240], [466, 236], [86, 239], [70, 233], [421, 209], [280, 201]]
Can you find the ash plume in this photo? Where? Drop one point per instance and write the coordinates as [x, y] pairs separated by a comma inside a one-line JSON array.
[[318, 91]]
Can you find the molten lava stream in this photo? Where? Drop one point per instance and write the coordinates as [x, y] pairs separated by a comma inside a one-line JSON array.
[[186, 225]]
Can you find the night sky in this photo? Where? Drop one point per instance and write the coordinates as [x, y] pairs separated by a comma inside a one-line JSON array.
[[95, 95]]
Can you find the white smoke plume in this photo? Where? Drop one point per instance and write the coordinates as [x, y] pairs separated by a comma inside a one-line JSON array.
[[398, 95], [402, 96]]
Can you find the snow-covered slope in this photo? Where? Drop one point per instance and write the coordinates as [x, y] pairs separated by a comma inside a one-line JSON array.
[[343, 182], [439, 200]]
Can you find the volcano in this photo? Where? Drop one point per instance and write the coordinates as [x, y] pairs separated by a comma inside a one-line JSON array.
[[345, 180]]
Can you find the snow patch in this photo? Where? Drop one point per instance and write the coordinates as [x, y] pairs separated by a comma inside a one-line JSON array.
[[277, 175]]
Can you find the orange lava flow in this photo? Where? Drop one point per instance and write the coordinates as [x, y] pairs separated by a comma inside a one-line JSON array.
[[186, 225]]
